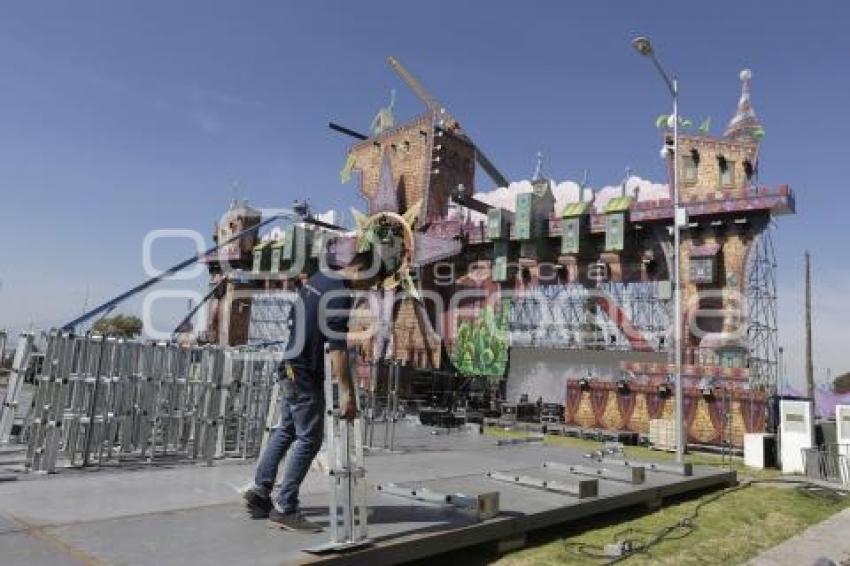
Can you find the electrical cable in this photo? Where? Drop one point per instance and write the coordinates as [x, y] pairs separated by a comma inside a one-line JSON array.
[[686, 525]]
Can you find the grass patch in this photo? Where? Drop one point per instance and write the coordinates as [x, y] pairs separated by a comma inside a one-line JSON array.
[[729, 530]]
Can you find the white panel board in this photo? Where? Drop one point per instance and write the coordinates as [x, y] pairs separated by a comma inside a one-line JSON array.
[[842, 428], [798, 432], [754, 449]]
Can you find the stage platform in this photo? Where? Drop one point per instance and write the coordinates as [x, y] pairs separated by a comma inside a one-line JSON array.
[[189, 514]]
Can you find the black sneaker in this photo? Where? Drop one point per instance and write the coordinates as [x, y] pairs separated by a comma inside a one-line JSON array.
[[257, 502], [293, 522]]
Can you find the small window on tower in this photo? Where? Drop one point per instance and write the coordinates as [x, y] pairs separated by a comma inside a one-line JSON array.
[[690, 162], [727, 168], [748, 170]]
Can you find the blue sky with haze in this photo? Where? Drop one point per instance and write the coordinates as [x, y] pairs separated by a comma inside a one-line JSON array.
[[119, 117]]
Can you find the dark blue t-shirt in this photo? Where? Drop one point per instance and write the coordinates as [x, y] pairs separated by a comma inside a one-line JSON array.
[[321, 298]]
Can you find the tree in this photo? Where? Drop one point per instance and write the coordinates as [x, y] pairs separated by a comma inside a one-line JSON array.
[[119, 326], [841, 384]]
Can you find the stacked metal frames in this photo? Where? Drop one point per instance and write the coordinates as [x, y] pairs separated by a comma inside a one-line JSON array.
[[101, 400]]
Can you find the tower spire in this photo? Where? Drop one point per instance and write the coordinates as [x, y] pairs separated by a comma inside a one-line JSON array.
[[744, 123], [538, 168]]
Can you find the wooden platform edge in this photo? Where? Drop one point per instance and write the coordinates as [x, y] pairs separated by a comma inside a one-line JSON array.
[[416, 546]]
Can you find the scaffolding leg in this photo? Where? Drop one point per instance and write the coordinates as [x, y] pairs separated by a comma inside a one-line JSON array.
[[394, 403], [371, 403], [346, 472]]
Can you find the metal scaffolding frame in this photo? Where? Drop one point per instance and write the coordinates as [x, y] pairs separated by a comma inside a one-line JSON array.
[[102, 401], [762, 333], [269, 315], [565, 316]]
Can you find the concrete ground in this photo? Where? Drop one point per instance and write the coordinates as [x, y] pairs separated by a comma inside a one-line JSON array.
[[829, 540], [183, 514]]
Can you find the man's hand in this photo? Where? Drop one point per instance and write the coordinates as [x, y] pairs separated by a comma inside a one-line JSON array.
[[347, 401], [348, 408]]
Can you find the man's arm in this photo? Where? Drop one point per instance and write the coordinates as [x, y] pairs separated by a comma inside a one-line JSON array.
[[341, 370]]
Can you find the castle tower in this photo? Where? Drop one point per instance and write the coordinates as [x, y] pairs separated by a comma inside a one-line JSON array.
[[229, 309], [426, 160], [718, 175], [711, 166]]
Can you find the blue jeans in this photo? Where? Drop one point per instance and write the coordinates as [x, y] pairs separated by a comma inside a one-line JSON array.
[[302, 411]]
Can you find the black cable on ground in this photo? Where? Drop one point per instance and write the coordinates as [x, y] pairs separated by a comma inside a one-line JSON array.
[[632, 545]]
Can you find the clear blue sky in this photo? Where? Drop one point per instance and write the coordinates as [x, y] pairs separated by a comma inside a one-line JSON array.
[[121, 117]]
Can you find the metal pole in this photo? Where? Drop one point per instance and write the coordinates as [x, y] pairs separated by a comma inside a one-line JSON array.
[[810, 368], [644, 47], [681, 437]]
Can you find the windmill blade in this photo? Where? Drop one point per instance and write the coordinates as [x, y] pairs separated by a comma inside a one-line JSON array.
[[490, 169], [433, 105], [420, 91]]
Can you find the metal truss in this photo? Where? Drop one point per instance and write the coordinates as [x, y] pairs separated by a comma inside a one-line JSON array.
[[647, 310], [269, 314], [762, 333], [566, 316]]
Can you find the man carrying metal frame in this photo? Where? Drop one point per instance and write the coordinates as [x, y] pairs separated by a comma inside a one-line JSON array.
[[318, 317]]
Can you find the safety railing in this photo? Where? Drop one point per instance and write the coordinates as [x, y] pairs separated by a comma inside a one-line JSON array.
[[830, 463]]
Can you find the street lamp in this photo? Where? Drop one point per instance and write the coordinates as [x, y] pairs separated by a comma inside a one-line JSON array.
[[643, 46]]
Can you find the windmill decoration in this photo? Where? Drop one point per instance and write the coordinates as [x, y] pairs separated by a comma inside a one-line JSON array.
[[396, 240], [408, 173], [394, 237]]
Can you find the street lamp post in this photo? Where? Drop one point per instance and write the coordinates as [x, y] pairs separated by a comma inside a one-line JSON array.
[[644, 47]]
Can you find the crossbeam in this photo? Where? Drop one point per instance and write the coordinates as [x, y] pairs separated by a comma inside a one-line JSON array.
[[678, 468], [483, 506], [576, 487], [628, 474]]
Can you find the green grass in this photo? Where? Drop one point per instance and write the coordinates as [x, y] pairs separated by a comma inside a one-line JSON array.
[[729, 530]]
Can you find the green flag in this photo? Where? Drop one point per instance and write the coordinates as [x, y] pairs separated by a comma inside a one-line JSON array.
[[345, 173]]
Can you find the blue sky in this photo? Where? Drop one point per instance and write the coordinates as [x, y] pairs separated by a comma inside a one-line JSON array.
[[118, 117]]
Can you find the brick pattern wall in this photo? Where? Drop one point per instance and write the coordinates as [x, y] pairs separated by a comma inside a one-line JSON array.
[[235, 313], [413, 343], [456, 166], [412, 149], [408, 148], [729, 284], [708, 171], [411, 337]]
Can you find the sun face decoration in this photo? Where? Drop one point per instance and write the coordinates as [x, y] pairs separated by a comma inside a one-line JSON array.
[[398, 238], [391, 235]]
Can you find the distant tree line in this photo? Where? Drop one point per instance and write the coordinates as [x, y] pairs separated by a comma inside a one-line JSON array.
[[841, 384], [119, 326]]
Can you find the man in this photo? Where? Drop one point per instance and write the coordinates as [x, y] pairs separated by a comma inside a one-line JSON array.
[[319, 316]]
